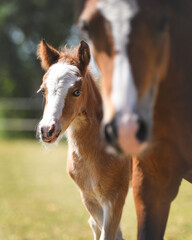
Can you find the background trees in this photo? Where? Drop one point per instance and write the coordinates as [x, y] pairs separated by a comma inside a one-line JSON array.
[[23, 23]]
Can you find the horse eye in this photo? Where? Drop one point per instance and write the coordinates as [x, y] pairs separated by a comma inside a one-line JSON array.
[[76, 93], [84, 26], [43, 92]]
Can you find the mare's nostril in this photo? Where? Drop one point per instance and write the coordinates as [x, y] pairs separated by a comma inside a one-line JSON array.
[[111, 135], [111, 132], [51, 131], [142, 131]]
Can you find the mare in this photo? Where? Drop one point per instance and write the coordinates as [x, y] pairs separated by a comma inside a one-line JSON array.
[[73, 103], [143, 49]]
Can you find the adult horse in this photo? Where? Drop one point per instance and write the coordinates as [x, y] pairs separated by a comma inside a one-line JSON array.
[[143, 49]]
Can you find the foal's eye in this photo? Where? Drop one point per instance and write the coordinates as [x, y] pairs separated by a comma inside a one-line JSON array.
[[43, 92], [76, 93]]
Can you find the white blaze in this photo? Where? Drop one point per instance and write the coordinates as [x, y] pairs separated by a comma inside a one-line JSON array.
[[60, 78], [119, 14], [124, 93]]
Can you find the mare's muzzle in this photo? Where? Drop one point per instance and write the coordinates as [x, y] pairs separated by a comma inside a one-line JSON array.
[[126, 135]]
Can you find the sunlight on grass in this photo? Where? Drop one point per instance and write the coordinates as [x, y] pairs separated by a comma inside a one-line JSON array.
[[38, 201]]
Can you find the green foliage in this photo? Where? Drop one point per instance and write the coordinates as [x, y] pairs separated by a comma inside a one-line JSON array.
[[22, 25], [7, 83]]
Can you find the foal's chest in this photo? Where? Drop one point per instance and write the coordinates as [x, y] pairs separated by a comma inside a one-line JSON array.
[[82, 173]]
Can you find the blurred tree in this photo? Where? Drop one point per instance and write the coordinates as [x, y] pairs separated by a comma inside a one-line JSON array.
[[23, 23]]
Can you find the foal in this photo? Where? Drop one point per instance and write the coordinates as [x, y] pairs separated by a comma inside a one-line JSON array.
[[73, 103]]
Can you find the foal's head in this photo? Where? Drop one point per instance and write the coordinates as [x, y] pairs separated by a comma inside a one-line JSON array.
[[130, 44], [62, 88]]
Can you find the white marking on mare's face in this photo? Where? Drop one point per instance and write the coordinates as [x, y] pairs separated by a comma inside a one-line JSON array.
[[119, 14], [61, 77]]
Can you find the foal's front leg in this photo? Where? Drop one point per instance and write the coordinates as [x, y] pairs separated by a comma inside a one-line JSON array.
[[111, 221], [96, 212], [95, 228]]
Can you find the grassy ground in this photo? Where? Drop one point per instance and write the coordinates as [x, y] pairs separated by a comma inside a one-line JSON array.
[[38, 201]]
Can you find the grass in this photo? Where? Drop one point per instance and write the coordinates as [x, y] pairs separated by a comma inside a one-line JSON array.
[[38, 201]]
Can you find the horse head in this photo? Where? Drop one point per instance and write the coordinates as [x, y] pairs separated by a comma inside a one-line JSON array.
[[62, 88], [131, 47]]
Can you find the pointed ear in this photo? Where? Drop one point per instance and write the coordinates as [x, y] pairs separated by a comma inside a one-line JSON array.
[[47, 54], [83, 56]]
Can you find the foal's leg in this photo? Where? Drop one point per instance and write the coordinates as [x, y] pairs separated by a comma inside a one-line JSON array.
[[95, 229], [119, 235], [96, 212], [111, 220], [155, 185], [105, 221]]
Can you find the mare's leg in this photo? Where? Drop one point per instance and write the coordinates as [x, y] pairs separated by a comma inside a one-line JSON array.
[[156, 180]]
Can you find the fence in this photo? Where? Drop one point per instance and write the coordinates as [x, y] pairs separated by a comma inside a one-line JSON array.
[[20, 114]]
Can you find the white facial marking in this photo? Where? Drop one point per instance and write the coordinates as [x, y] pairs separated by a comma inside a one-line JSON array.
[[60, 78], [119, 14], [124, 93]]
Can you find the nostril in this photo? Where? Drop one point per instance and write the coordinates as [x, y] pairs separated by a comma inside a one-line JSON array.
[[51, 131], [42, 131], [110, 132], [142, 131], [111, 135]]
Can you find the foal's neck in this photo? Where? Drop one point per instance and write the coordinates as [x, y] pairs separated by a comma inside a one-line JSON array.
[[93, 101], [92, 110], [84, 131]]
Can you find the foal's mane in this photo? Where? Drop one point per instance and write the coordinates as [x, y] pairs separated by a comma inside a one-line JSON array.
[[69, 55]]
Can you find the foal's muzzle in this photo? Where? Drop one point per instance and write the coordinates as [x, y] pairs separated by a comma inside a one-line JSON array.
[[49, 132]]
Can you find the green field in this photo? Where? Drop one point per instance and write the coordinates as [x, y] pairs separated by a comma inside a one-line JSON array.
[[38, 201]]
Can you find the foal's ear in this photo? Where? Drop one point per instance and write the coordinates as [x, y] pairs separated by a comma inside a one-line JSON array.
[[47, 54], [83, 55]]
